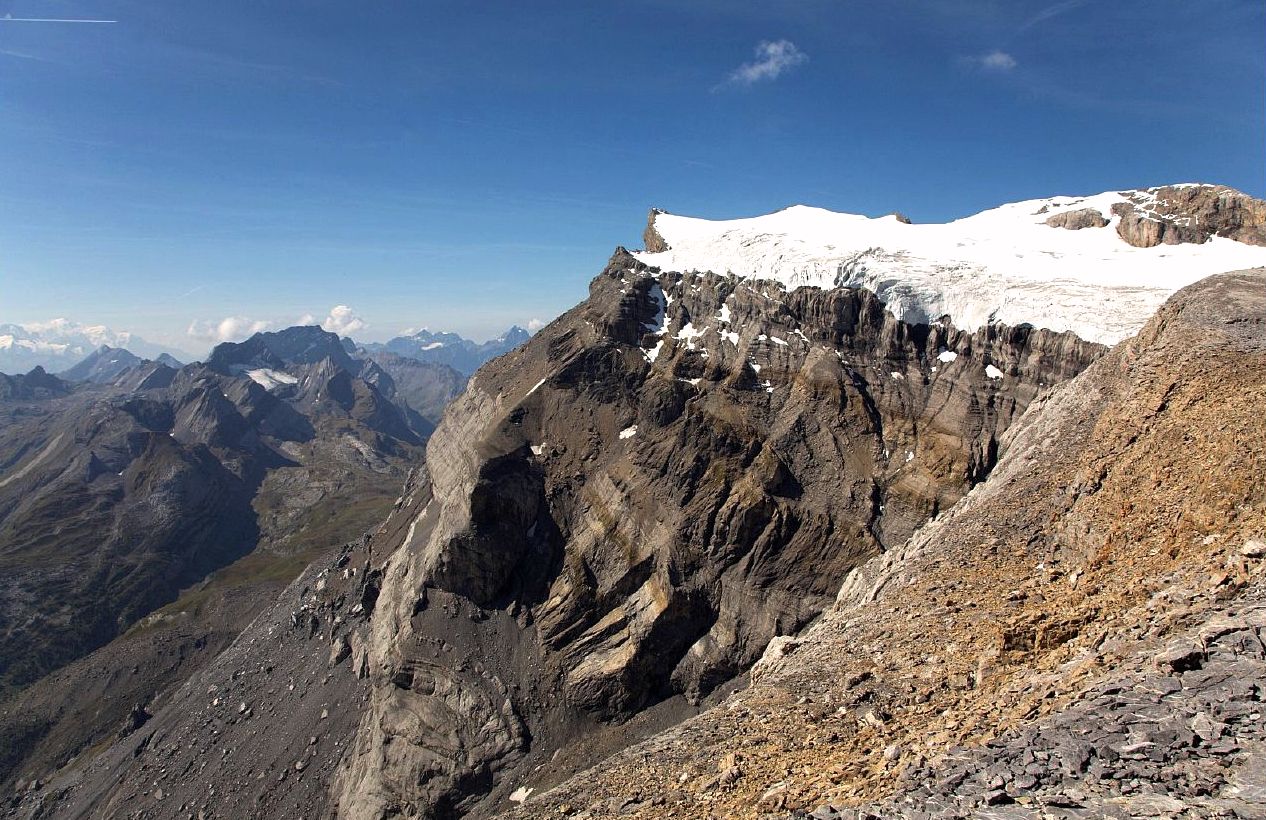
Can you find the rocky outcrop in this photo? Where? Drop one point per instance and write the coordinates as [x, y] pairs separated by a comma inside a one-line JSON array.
[[1176, 214], [34, 386], [615, 521], [1078, 219], [668, 485]]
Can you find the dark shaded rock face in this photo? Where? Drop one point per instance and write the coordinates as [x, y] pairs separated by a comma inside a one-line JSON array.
[[1076, 220], [1176, 214], [36, 385], [634, 503], [292, 346]]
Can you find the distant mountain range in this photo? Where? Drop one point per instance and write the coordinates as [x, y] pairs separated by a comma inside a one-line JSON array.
[[62, 346], [59, 344], [461, 354]]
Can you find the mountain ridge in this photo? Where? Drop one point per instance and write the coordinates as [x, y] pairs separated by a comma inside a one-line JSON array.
[[664, 489]]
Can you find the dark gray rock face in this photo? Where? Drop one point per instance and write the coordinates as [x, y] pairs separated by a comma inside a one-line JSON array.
[[652, 242], [98, 506], [36, 385], [115, 498], [1051, 647], [292, 346], [615, 520], [421, 389]]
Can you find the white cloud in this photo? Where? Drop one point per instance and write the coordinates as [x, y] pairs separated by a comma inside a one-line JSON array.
[[534, 325], [305, 320], [228, 329], [343, 320], [773, 57], [997, 61]]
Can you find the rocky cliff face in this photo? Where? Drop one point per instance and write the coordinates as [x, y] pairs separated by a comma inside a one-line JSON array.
[[615, 521], [638, 500]]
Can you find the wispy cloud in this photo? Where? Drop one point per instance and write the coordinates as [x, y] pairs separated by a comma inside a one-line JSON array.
[[534, 325], [228, 329], [1050, 11], [343, 320], [24, 55], [996, 61], [773, 58]]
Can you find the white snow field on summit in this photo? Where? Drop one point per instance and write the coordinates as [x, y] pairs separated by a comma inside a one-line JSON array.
[[1001, 265]]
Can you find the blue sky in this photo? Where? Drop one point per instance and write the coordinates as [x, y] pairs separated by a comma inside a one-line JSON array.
[[469, 165]]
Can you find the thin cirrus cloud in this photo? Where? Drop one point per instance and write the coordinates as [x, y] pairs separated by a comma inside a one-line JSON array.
[[1051, 11], [773, 59]]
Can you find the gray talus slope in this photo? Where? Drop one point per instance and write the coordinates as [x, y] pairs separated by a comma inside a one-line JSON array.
[[1080, 636]]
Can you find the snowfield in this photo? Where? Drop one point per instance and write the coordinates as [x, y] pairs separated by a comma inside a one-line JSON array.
[[270, 379], [1002, 265]]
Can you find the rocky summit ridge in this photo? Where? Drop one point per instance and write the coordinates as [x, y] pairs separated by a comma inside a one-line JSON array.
[[714, 543]]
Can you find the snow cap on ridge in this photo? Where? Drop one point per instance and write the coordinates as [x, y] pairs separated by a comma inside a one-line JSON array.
[[1013, 264]]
